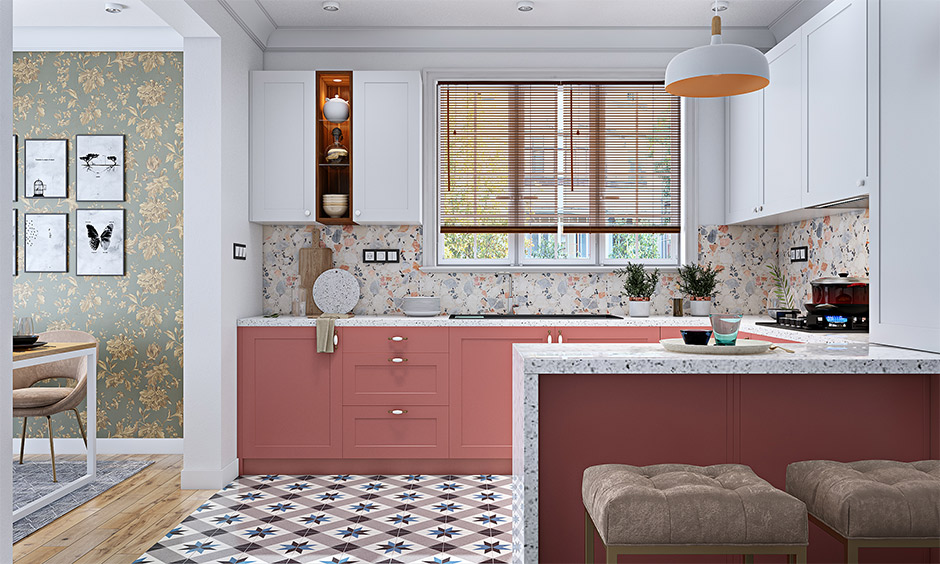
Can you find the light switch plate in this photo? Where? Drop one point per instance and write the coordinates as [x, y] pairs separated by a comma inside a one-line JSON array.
[[381, 256], [240, 251], [799, 254]]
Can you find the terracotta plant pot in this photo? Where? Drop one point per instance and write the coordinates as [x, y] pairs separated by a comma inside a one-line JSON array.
[[699, 307], [639, 308]]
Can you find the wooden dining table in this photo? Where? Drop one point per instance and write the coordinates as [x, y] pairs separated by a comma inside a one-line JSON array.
[[52, 352]]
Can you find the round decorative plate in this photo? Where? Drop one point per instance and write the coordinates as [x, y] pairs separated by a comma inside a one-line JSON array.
[[742, 346], [336, 291]]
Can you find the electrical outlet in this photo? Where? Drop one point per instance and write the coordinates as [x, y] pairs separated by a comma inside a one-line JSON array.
[[799, 254], [381, 256], [240, 252]]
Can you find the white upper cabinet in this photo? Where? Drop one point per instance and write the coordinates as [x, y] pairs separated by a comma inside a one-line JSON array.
[[283, 145], [744, 155], [835, 52], [784, 175], [387, 131]]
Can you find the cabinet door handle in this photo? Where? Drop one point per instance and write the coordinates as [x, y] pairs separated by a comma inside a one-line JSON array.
[[335, 340], [307, 213], [860, 183], [398, 411], [358, 213], [398, 360], [397, 339], [760, 208], [549, 335], [560, 338]]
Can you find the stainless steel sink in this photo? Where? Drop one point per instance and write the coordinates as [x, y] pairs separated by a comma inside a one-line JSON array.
[[534, 316]]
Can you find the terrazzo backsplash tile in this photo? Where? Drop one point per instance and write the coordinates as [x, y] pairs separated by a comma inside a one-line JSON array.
[[837, 243], [743, 253]]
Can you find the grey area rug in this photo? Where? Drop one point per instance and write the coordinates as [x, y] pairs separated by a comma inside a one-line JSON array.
[[33, 480]]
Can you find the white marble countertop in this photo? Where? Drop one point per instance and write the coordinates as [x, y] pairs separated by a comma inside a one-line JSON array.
[[748, 324]]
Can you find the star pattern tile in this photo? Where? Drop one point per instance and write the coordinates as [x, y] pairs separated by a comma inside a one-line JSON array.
[[346, 519]]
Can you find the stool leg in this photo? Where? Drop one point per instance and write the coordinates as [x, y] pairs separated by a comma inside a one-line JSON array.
[[611, 556], [51, 447], [800, 557], [23, 440], [588, 538], [851, 552], [748, 559]]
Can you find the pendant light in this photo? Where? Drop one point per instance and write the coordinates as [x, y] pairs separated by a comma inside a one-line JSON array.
[[717, 69]]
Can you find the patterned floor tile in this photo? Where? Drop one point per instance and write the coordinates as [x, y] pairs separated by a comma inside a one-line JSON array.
[[346, 519]]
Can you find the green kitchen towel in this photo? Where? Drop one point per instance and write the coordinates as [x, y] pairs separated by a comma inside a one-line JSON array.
[[325, 325]]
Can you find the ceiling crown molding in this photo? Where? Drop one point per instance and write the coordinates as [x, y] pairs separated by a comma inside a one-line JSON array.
[[251, 16]]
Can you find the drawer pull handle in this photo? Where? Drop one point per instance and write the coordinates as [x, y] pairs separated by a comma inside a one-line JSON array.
[[398, 359], [398, 339], [398, 411]]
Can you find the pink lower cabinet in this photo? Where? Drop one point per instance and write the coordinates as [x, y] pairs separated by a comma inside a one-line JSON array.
[[607, 334], [481, 388], [394, 431], [390, 378], [289, 396]]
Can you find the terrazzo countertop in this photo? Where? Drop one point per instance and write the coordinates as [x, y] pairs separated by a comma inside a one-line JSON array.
[[748, 324]]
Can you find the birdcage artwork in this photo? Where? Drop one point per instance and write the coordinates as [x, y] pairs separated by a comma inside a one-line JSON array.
[[39, 188]]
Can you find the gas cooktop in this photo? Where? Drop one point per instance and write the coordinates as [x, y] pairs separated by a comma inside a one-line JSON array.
[[821, 323]]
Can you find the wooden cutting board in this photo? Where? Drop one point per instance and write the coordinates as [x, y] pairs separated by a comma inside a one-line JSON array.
[[314, 261]]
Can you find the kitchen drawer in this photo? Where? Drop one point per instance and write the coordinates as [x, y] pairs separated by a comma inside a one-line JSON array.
[[383, 378], [377, 432], [395, 339]]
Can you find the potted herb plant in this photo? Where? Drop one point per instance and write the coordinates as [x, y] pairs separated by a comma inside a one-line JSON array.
[[639, 286], [699, 283]]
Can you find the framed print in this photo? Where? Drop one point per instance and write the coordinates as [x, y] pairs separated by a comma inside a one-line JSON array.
[[44, 165], [15, 231], [99, 163], [100, 242], [45, 242], [15, 140]]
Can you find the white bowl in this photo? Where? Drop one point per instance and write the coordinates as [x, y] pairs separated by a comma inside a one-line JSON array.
[[335, 210], [421, 306]]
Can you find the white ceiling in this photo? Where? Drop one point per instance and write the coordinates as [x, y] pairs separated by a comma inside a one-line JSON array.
[[82, 13], [482, 13]]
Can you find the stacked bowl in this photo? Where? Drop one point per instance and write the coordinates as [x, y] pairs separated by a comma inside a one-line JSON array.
[[421, 306], [335, 205]]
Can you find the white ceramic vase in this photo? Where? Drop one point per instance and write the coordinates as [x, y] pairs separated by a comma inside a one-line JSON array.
[[639, 308], [700, 308]]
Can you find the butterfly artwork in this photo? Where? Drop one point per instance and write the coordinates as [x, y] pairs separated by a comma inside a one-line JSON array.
[[103, 240], [101, 248], [99, 176]]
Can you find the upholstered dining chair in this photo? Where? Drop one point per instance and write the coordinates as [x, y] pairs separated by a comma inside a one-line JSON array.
[[41, 401]]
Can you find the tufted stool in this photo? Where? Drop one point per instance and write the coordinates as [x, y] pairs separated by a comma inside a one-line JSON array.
[[681, 509], [871, 503]]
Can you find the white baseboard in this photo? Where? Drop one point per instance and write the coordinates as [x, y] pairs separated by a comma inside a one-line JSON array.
[[104, 446], [208, 479]]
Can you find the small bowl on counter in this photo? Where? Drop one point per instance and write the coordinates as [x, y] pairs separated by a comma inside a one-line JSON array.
[[696, 336], [421, 306]]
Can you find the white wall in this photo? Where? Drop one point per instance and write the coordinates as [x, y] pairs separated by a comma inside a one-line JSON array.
[[240, 280], [6, 275]]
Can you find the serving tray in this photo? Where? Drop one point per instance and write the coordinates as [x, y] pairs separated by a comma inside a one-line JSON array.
[[742, 346]]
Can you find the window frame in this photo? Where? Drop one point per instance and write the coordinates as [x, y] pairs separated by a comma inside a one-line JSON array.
[[596, 262]]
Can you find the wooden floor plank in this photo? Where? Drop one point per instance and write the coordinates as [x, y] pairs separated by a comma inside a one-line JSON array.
[[120, 524]]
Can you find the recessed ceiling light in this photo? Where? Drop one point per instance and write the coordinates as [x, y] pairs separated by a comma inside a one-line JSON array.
[[331, 6], [112, 8], [337, 80], [525, 5], [720, 6]]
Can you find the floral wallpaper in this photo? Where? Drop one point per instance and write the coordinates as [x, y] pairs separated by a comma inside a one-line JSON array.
[[836, 243], [137, 318]]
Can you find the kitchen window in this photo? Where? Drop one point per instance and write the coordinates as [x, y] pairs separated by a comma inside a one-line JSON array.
[[557, 173]]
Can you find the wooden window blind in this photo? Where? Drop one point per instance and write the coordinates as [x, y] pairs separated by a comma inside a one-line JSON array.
[[533, 157]]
